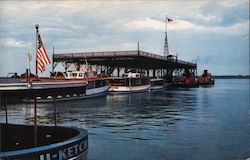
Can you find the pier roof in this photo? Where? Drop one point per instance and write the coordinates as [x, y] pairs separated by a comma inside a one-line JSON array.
[[131, 59]]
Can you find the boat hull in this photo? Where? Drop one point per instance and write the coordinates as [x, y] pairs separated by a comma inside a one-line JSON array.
[[90, 93], [125, 89], [16, 92], [181, 85], [156, 83], [52, 143], [156, 87], [96, 91]]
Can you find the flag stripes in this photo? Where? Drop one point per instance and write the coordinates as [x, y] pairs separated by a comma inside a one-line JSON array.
[[42, 57]]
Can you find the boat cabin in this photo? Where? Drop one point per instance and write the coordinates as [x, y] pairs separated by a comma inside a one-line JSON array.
[[132, 75], [129, 79], [80, 74]]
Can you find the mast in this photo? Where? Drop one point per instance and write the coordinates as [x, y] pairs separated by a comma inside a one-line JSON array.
[[37, 27], [53, 59], [138, 47], [166, 50]]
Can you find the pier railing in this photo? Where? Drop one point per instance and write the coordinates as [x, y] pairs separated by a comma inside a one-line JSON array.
[[132, 53]]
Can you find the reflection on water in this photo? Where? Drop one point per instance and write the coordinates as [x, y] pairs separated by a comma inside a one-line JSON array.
[[198, 123]]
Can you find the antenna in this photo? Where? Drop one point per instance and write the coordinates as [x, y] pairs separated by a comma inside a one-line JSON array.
[[166, 50]]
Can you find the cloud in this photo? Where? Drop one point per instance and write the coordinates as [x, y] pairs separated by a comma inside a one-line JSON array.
[[139, 24], [11, 42], [142, 24], [197, 30], [224, 14]]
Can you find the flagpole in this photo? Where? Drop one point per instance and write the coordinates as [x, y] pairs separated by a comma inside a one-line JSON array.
[[29, 67], [166, 25], [37, 26], [53, 59]]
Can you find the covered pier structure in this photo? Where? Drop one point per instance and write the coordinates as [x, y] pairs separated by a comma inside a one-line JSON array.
[[122, 61]]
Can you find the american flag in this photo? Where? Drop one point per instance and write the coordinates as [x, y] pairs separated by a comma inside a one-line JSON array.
[[42, 57]]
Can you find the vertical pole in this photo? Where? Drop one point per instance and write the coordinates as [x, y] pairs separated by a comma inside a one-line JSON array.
[[55, 110], [138, 47], [196, 67], [28, 77], [53, 59], [166, 24], [35, 122], [29, 68], [37, 26], [118, 71], [129, 83], [6, 112]]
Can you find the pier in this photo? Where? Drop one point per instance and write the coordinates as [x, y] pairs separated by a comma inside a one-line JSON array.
[[111, 61]]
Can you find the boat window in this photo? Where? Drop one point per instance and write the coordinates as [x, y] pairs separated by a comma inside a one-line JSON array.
[[74, 74], [98, 83], [127, 82], [104, 82], [91, 85], [86, 75], [81, 75], [117, 82]]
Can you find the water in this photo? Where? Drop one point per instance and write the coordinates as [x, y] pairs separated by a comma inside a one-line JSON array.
[[199, 123]]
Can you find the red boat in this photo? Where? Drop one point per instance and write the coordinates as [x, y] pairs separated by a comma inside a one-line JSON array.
[[185, 80], [206, 78]]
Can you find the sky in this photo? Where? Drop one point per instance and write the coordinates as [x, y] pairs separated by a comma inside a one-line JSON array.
[[214, 33]]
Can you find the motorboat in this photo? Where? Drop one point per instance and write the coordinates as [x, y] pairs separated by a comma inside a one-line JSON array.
[[129, 83]]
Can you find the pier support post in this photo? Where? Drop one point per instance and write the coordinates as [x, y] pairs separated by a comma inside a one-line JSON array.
[[6, 111], [35, 123], [55, 110], [118, 71], [169, 75]]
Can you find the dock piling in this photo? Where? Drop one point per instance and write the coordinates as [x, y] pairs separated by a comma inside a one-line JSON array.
[[55, 110], [35, 122], [6, 111]]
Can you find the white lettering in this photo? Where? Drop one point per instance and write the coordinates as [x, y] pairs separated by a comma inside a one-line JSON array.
[[85, 144], [62, 154], [76, 148], [70, 151], [81, 148], [67, 152], [54, 156], [48, 156], [41, 157]]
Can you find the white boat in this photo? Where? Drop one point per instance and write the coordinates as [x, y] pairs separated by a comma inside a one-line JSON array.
[[156, 83], [96, 86], [129, 83]]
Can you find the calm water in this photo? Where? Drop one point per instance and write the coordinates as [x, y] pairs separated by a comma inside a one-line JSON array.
[[200, 123]]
